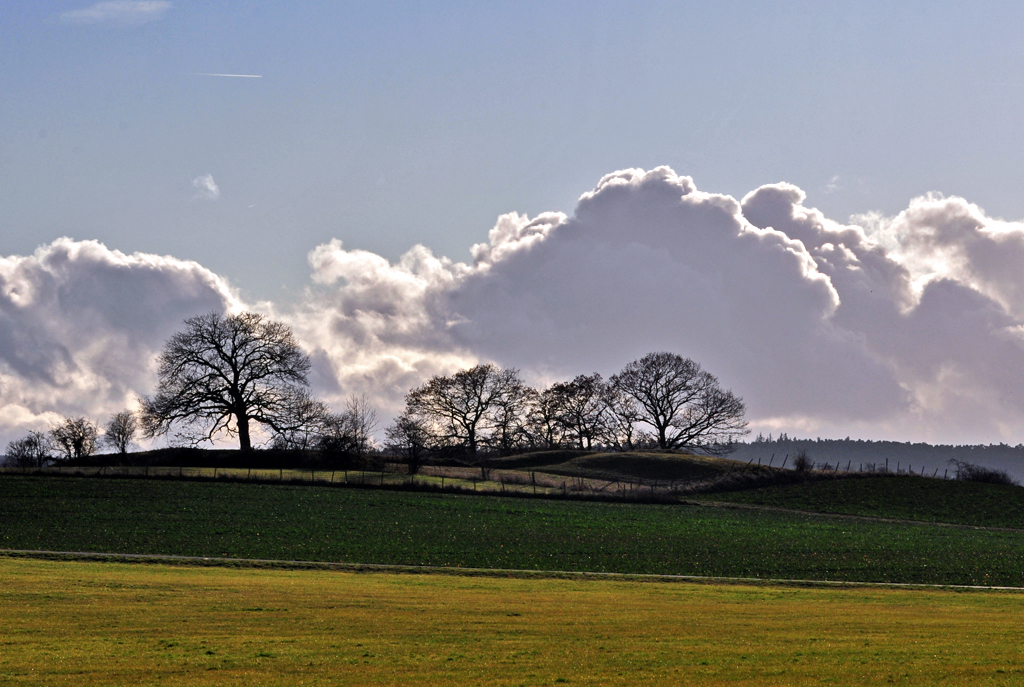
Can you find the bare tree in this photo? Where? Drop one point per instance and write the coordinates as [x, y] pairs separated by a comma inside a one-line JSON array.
[[361, 420], [455, 409], [75, 437], [408, 437], [120, 431], [621, 417], [224, 372], [508, 416], [582, 410], [33, 451], [545, 419], [683, 403], [340, 438], [351, 431], [311, 420]]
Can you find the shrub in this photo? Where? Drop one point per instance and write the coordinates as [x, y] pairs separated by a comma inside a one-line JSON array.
[[968, 472], [802, 462]]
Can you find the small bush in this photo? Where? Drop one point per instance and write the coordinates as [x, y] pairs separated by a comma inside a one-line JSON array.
[[802, 462], [968, 472]]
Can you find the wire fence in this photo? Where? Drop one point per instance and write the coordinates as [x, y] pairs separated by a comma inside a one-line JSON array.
[[518, 482]]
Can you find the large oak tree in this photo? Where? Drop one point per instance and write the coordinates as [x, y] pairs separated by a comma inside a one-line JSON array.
[[223, 373], [684, 404]]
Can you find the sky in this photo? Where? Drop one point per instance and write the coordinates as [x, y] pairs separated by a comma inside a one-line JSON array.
[[819, 202]]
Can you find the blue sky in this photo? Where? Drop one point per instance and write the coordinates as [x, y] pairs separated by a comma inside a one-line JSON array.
[[376, 127], [389, 124]]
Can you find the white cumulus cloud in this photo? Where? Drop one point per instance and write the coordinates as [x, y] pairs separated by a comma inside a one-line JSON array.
[[206, 187], [80, 326], [908, 327], [118, 12]]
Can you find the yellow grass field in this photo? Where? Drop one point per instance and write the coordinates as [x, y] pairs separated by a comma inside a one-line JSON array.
[[77, 623]]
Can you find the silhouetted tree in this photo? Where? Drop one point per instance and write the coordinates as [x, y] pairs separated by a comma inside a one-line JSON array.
[[509, 414], [311, 420], [224, 372], [684, 404], [75, 437], [32, 451], [582, 410], [620, 420], [120, 431], [456, 409], [408, 437], [545, 420], [350, 432]]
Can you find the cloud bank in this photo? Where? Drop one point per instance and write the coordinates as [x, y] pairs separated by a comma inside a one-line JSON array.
[[118, 12], [80, 326], [908, 327]]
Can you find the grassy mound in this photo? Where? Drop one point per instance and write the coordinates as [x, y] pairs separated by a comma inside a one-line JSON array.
[[536, 459], [644, 466], [896, 496]]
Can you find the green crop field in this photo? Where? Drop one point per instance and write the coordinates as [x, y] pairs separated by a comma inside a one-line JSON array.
[[317, 523], [86, 624], [896, 496]]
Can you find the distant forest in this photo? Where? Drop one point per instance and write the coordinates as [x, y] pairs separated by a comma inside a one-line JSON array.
[[854, 452]]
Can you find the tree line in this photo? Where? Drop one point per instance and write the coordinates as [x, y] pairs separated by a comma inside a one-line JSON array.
[[73, 438], [225, 374], [660, 401], [938, 458]]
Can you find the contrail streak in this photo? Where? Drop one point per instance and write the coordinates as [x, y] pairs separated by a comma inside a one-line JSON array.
[[237, 76]]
